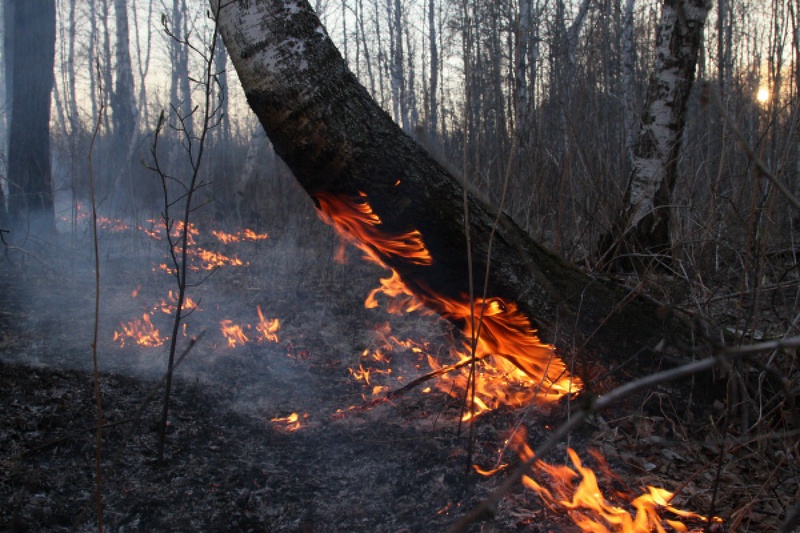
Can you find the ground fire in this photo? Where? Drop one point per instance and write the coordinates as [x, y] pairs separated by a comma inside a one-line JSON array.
[[514, 368], [576, 492]]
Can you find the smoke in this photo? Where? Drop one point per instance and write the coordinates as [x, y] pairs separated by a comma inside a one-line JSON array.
[[289, 274]]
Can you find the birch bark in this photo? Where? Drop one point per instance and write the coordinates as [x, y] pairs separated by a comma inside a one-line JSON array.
[[338, 141], [642, 226]]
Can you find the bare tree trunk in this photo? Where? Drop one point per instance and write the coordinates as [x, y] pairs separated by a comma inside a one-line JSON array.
[[795, 11], [105, 62], [30, 189], [523, 37], [342, 146], [412, 109], [344, 30], [143, 61], [394, 16], [433, 107], [7, 69], [72, 103], [123, 105], [182, 68], [365, 46], [642, 225], [92, 57], [221, 193], [628, 89], [381, 56]]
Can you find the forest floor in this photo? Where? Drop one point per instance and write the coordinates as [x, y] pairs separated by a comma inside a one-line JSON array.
[[351, 463]]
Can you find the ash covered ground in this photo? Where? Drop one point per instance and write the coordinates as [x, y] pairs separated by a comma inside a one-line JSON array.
[[231, 464]]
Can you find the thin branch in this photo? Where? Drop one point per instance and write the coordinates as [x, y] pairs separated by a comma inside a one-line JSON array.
[[95, 365]]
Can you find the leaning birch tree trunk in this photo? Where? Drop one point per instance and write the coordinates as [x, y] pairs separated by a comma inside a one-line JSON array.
[[341, 145], [642, 225]]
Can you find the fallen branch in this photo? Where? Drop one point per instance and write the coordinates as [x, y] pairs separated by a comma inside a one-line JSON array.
[[592, 406]]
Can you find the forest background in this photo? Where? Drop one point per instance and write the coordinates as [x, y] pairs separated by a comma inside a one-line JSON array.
[[562, 83]]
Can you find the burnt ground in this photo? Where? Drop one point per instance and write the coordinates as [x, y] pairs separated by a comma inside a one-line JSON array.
[[354, 464]]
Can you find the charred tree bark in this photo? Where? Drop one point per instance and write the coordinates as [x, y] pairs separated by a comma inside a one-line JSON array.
[[642, 226], [338, 141]]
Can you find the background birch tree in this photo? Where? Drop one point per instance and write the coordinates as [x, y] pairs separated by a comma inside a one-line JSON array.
[[643, 225]]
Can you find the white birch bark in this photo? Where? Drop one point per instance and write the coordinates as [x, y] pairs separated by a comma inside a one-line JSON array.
[[523, 37], [655, 159]]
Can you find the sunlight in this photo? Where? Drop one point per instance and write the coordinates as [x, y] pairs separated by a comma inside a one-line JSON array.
[[763, 95]]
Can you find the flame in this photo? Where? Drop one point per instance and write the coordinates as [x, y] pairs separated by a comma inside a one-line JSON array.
[[142, 331], [289, 423], [169, 305], [267, 328], [577, 492], [241, 235], [234, 333], [502, 333], [355, 221], [210, 260], [111, 224]]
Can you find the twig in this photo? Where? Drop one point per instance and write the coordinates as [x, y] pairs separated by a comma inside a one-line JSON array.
[[95, 364], [181, 264], [594, 405], [430, 375]]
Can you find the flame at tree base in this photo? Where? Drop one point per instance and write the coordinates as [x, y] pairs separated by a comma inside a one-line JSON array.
[[505, 343]]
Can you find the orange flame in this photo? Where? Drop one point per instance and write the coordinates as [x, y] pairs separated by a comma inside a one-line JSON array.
[[111, 224], [209, 259], [289, 423], [577, 492], [267, 328], [241, 235], [233, 333], [503, 330], [142, 332], [356, 222], [169, 305]]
